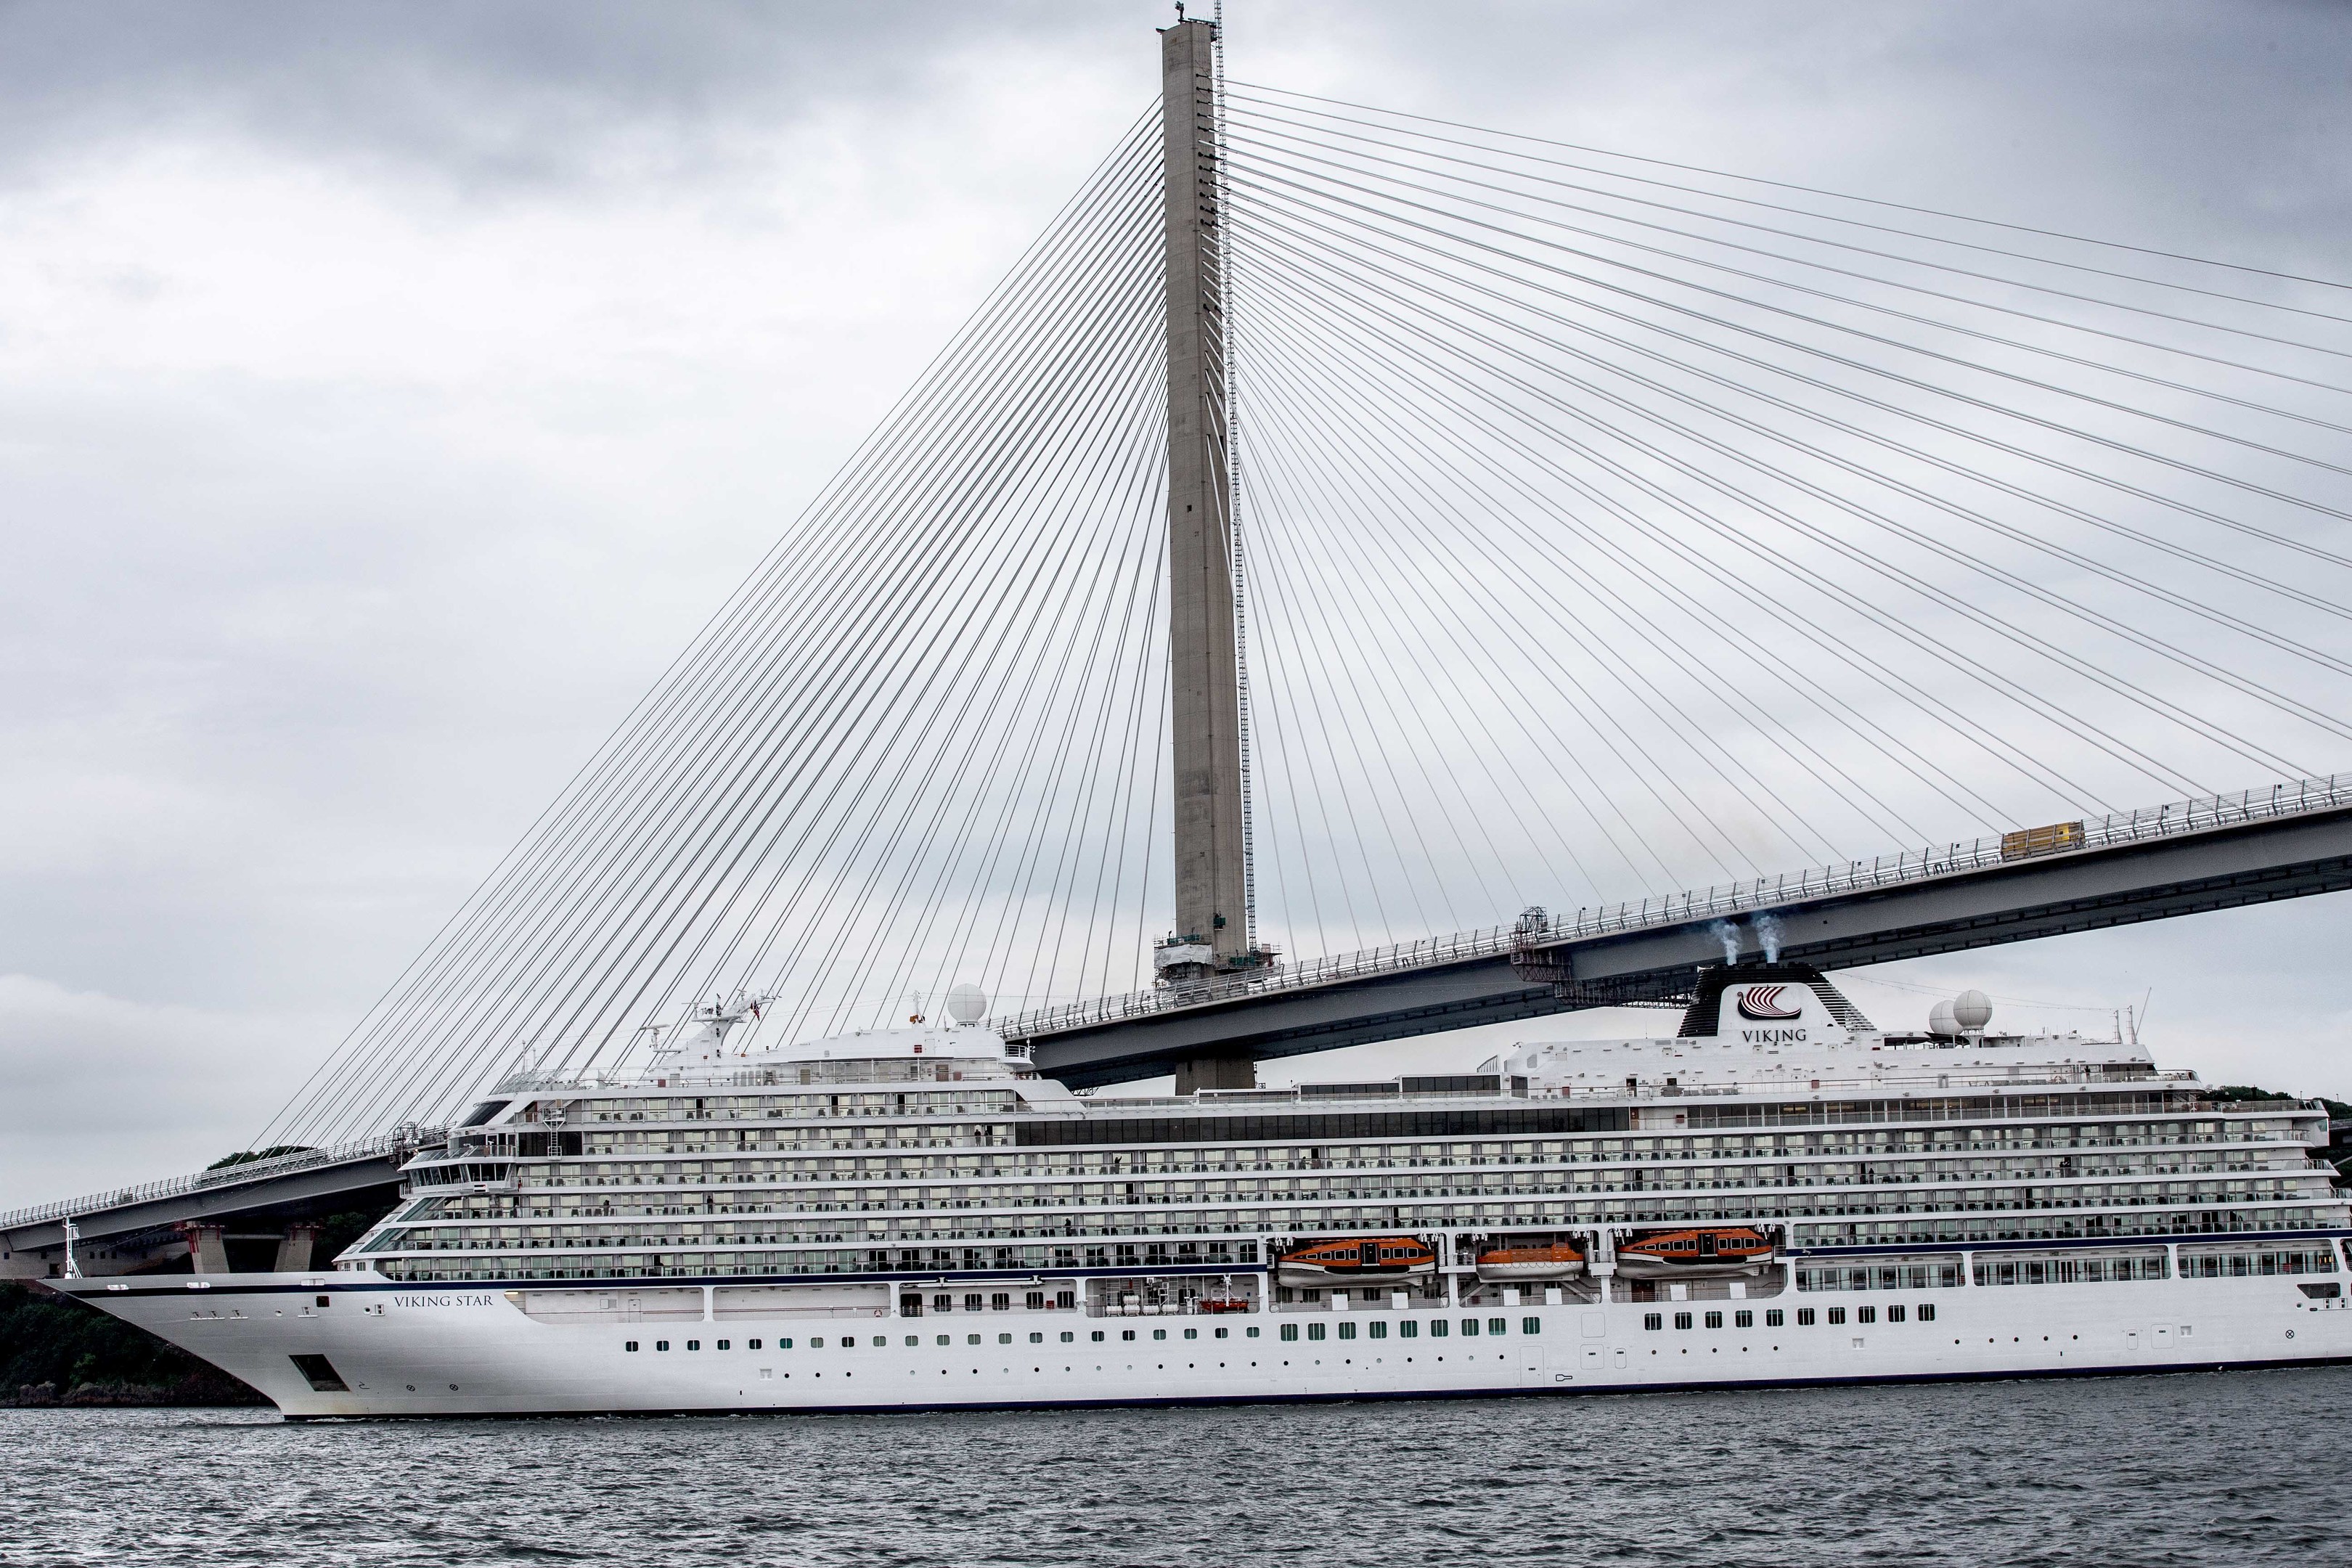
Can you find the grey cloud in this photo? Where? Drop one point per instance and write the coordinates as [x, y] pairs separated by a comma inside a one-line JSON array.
[[526, 92]]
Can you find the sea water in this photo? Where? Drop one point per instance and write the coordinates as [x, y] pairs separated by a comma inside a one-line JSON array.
[[2206, 1469]]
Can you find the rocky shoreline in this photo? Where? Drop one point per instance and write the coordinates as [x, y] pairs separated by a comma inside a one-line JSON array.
[[195, 1391], [59, 1354]]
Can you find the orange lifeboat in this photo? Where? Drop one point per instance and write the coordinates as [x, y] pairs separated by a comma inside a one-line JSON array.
[[1706, 1254], [1373, 1258], [1537, 1262]]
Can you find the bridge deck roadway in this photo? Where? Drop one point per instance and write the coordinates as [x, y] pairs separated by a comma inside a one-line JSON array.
[[2215, 869]]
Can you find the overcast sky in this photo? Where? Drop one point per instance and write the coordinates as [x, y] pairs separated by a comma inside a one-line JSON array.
[[387, 389]]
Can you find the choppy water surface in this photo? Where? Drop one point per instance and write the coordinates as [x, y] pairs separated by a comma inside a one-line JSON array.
[[2209, 1468]]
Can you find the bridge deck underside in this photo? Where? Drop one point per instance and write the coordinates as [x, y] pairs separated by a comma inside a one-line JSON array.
[[152, 1226], [2225, 867]]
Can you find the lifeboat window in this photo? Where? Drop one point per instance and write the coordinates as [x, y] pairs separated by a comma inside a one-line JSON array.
[[1035, 1300], [1837, 1314], [1531, 1325], [1804, 1317], [1064, 1299], [1654, 1319], [1290, 1330], [1863, 1314], [972, 1302], [1926, 1311], [1374, 1330], [944, 1304], [1715, 1320], [1894, 1314], [1774, 1318], [630, 1345], [1002, 1301], [1681, 1319], [1315, 1331], [1408, 1330], [1743, 1320]]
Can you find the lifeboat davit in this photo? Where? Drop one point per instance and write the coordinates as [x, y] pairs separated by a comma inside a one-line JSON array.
[[1709, 1254], [1375, 1258], [1538, 1262]]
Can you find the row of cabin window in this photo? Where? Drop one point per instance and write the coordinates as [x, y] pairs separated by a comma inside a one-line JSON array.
[[1775, 1318], [1410, 1329], [1803, 1146], [1439, 1329], [938, 1168], [730, 1223], [1068, 1336], [993, 1302]]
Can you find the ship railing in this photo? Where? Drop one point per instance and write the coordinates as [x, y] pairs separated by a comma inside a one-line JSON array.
[[887, 1069], [394, 1144], [1760, 896]]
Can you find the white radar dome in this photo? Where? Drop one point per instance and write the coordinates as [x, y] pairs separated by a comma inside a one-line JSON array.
[[1972, 1010], [1941, 1024], [967, 1004]]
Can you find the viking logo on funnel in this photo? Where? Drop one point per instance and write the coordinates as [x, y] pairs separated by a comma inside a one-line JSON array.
[[1764, 1005]]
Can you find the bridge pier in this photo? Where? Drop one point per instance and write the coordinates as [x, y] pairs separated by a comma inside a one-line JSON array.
[[294, 1251], [1194, 1074], [207, 1246]]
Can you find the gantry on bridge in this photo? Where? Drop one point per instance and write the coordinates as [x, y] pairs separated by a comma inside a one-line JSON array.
[[1341, 527]]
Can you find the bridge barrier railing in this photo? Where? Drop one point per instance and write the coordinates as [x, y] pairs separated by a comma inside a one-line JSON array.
[[395, 1143], [1759, 897]]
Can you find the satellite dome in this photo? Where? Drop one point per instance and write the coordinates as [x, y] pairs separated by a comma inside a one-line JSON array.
[[967, 1004], [1941, 1024], [1972, 1010]]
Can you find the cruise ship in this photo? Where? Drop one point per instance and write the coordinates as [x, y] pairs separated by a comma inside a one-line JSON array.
[[915, 1219], [1779, 1194]]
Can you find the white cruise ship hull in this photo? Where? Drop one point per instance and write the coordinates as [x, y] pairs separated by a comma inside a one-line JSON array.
[[459, 1351]]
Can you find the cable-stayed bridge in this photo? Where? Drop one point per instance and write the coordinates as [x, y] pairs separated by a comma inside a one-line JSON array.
[[1341, 528]]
